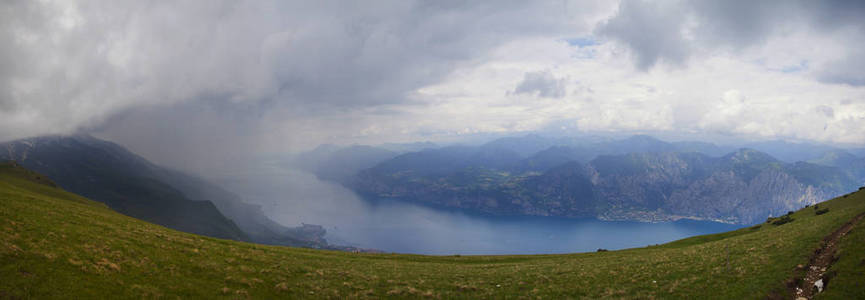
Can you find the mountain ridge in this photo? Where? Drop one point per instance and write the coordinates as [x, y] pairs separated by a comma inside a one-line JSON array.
[[55, 244], [743, 186], [130, 184]]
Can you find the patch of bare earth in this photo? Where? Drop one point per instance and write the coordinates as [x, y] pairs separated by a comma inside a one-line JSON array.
[[820, 261]]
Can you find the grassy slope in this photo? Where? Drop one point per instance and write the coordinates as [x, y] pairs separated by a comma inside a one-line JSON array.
[[850, 267], [57, 245]]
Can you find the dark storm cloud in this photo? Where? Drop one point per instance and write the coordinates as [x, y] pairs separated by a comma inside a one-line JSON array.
[[849, 70], [672, 32], [652, 30], [194, 135], [738, 23], [832, 14], [378, 57], [191, 71], [77, 63], [194, 74]]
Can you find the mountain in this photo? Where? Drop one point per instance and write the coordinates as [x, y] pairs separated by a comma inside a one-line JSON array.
[[249, 217], [637, 178], [131, 185], [636, 144], [566, 190], [702, 147], [447, 159], [58, 245], [530, 152], [527, 145], [523, 153], [860, 152], [339, 164], [553, 157], [839, 158], [791, 152], [517, 154], [125, 182], [743, 187], [407, 147], [843, 160]]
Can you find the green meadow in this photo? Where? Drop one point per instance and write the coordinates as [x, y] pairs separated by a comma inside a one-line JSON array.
[[54, 244]]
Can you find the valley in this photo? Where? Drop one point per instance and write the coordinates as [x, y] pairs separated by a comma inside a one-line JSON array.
[[59, 245], [635, 179], [285, 149]]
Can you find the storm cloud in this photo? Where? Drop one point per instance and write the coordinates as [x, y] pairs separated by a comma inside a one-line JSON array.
[[71, 62], [675, 31], [175, 80]]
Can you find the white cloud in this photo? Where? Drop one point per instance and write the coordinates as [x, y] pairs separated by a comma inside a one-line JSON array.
[[726, 94], [286, 74]]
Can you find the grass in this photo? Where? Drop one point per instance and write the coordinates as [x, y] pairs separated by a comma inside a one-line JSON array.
[[54, 244], [849, 271]]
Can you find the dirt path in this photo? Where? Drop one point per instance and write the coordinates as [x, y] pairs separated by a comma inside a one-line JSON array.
[[822, 259]]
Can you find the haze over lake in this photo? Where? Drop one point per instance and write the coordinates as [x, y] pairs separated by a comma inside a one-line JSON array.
[[293, 197]]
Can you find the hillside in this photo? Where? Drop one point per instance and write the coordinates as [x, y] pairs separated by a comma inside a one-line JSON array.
[[54, 244], [639, 178], [742, 187], [127, 183], [108, 173]]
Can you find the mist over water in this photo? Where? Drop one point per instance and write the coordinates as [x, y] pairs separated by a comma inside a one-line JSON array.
[[292, 197]]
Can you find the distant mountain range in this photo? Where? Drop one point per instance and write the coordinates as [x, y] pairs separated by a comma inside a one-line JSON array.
[[106, 172], [638, 178]]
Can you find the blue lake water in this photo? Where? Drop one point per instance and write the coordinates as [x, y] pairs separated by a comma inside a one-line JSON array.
[[292, 197]]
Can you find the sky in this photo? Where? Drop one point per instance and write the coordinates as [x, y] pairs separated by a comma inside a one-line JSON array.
[[192, 82]]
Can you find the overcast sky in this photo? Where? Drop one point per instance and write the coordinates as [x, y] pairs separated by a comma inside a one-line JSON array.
[[213, 77]]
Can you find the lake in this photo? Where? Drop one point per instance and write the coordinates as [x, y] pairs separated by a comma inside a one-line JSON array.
[[294, 197]]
